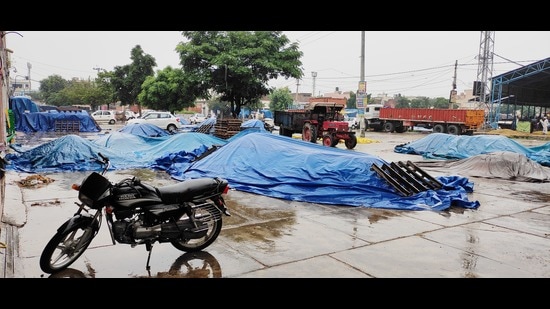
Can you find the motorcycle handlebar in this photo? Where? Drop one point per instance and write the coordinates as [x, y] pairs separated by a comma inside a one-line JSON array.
[[105, 159]]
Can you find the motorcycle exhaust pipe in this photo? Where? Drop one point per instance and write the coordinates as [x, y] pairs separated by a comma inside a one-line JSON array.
[[172, 230]]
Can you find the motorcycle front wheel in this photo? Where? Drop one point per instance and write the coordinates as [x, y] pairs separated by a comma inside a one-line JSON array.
[[66, 247], [210, 221]]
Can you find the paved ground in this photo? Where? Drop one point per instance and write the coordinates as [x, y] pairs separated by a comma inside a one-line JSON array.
[[507, 236]]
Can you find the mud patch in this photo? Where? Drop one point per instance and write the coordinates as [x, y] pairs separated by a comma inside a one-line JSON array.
[[264, 232], [47, 203], [532, 196]]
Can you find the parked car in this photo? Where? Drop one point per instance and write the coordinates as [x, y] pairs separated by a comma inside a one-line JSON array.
[[107, 116], [197, 118], [163, 120]]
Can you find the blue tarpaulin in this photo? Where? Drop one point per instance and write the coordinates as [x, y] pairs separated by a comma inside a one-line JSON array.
[[254, 162], [28, 117], [447, 146], [74, 153], [143, 129]]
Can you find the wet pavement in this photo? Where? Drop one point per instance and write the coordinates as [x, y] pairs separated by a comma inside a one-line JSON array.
[[508, 236]]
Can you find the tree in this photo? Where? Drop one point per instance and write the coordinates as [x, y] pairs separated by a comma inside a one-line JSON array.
[[106, 90], [127, 79], [351, 103], [166, 91], [402, 102], [50, 88], [237, 65], [221, 109], [441, 103], [84, 92], [280, 99], [420, 102]]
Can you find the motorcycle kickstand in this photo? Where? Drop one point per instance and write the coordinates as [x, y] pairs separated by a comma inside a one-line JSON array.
[[149, 248]]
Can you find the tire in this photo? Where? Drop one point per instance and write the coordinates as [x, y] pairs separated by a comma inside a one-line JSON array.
[[327, 140], [439, 128], [285, 132], [454, 129], [351, 142], [112, 121], [66, 247], [199, 264], [335, 142], [309, 134], [401, 129], [389, 127], [209, 216], [172, 128]]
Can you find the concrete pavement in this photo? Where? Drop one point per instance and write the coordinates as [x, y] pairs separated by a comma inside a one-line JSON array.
[[507, 236]]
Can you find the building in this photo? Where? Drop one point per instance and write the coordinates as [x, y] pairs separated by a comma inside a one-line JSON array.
[[19, 85]]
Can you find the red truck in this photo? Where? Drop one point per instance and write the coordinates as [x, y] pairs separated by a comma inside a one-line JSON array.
[[452, 121], [321, 118]]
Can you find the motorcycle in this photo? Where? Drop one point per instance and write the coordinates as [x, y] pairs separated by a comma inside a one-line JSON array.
[[187, 214]]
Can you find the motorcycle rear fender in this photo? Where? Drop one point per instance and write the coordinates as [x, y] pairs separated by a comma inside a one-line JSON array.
[[83, 219]]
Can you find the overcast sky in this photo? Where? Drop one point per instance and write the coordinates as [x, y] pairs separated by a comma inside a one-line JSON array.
[[412, 63]]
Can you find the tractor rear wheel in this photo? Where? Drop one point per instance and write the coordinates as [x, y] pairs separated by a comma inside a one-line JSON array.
[[309, 134]]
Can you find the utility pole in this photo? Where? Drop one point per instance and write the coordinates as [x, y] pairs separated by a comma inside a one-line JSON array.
[[98, 69], [361, 95], [29, 66], [452, 97], [296, 96], [314, 75]]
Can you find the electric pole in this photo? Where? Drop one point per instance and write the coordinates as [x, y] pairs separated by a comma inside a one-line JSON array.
[[98, 69], [314, 75], [29, 66], [452, 97], [361, 95], [296, 96]]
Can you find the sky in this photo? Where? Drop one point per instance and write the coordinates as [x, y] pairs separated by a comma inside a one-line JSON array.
[[410, 63]]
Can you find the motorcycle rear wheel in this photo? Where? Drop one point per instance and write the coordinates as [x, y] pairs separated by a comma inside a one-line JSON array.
[[211, 217], [66, 247]]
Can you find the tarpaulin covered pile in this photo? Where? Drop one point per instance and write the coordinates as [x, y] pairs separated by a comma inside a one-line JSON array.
[[447, 146], [291, 169], [125, 151], [28, 117], [143, 129], [254, 162]]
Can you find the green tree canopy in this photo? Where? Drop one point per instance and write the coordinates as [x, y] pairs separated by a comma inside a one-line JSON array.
[[166, 91], [402, 102], [280, 99], [83, 92], [420, 102], [127, 79], [50, 88], [237, 64]]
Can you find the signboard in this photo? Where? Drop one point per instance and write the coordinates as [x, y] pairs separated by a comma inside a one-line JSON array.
[[359, 101], [362, 89], [452, 97], [361, 97]]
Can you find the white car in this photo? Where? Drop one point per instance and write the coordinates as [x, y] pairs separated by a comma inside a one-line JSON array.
[[164, 120], [104, 116], [197, 118]]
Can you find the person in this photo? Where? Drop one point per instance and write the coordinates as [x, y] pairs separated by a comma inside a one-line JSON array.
[[544, 123]]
